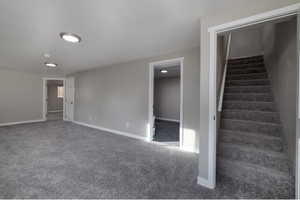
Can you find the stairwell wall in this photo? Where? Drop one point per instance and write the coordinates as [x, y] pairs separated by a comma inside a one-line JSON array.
[[280, 47]]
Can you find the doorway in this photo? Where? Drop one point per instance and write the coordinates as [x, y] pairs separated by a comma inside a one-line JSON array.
[[166, 102], [216, 31], [54, 99]]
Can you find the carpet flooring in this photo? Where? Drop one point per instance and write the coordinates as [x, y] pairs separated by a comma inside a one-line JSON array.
[[57, 159], [166, 131], [55, 116]]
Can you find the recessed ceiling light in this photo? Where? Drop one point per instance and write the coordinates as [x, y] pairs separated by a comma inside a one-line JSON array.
[[164, 71], [70, 37], [49, 64]]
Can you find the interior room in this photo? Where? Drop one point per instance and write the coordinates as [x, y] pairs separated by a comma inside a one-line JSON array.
[[167, 104], [55, 99], [139, 99]]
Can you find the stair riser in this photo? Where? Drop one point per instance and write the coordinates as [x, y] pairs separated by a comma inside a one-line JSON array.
[[247, 77], [246, 71], [248, 97], [246, 66], [253, 177], [255, 142], [258, 158], [248, 83], [271, 117], [255, 89], [247, 126], [246, 61], [253, 106]]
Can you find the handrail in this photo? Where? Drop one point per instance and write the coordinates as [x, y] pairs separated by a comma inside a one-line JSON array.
[[224, 75]]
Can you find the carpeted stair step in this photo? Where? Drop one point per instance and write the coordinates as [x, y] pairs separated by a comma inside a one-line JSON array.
[[247, 89], [248, 82], [255, 174], [268, 159], [251, 140], [265, 97], [246, 60], [249, 105], [247, 76], [246, 70], [270, 129], [260, 116], [245, 66]]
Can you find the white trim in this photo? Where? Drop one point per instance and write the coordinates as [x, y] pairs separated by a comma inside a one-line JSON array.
[[55, 111], [45, 79], [151, 97], [204, 182], [131, 135], [214, 31], [257, 19], [168, 119], [21, 122]]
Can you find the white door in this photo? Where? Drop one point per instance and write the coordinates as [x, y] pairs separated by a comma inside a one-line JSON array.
[[69, 98]]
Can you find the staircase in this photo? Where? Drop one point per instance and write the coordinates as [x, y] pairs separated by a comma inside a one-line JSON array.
[[250, 145]]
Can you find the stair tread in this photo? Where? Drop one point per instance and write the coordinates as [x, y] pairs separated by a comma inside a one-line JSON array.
[[249, 93], [251, 134], [246, 101], [248, 86], [244, 110], [245, 80], [248, 74], [255, 167], [255, 122], [253, 149]]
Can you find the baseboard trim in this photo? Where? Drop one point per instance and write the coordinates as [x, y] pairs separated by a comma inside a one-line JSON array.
[[22, 122], [167, 119], [205, 183], [111, 131], [55, 111]]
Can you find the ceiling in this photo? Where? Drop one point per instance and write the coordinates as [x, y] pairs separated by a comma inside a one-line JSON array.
[[112, 31], [173, 71]]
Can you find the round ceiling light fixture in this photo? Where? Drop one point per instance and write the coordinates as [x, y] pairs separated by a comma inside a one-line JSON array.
[[70, 37], [49, 64], [164, 71]]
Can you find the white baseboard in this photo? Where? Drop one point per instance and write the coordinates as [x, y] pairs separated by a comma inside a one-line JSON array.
[[112, 131], [21, 122], [167, 119], [205, 183], [55, 111]]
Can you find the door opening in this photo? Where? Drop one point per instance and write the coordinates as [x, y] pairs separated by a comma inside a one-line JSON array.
[[215, 32], [54, 99], [166, 102]]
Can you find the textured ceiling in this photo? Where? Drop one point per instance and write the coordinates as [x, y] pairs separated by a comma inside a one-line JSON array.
[[112, 31]]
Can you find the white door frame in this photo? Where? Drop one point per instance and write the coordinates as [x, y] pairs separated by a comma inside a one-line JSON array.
[[214, 31], [45, 79], [152, 65]]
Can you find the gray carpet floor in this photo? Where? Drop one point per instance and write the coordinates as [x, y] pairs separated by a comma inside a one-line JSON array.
[[57, 159], [166, 131], [54, 116]]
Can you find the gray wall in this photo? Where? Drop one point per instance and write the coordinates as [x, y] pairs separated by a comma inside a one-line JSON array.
[[167, 98], [54, 103], [21, 96], [280, 42], [246, 42], [223, 14], [116, 97]]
